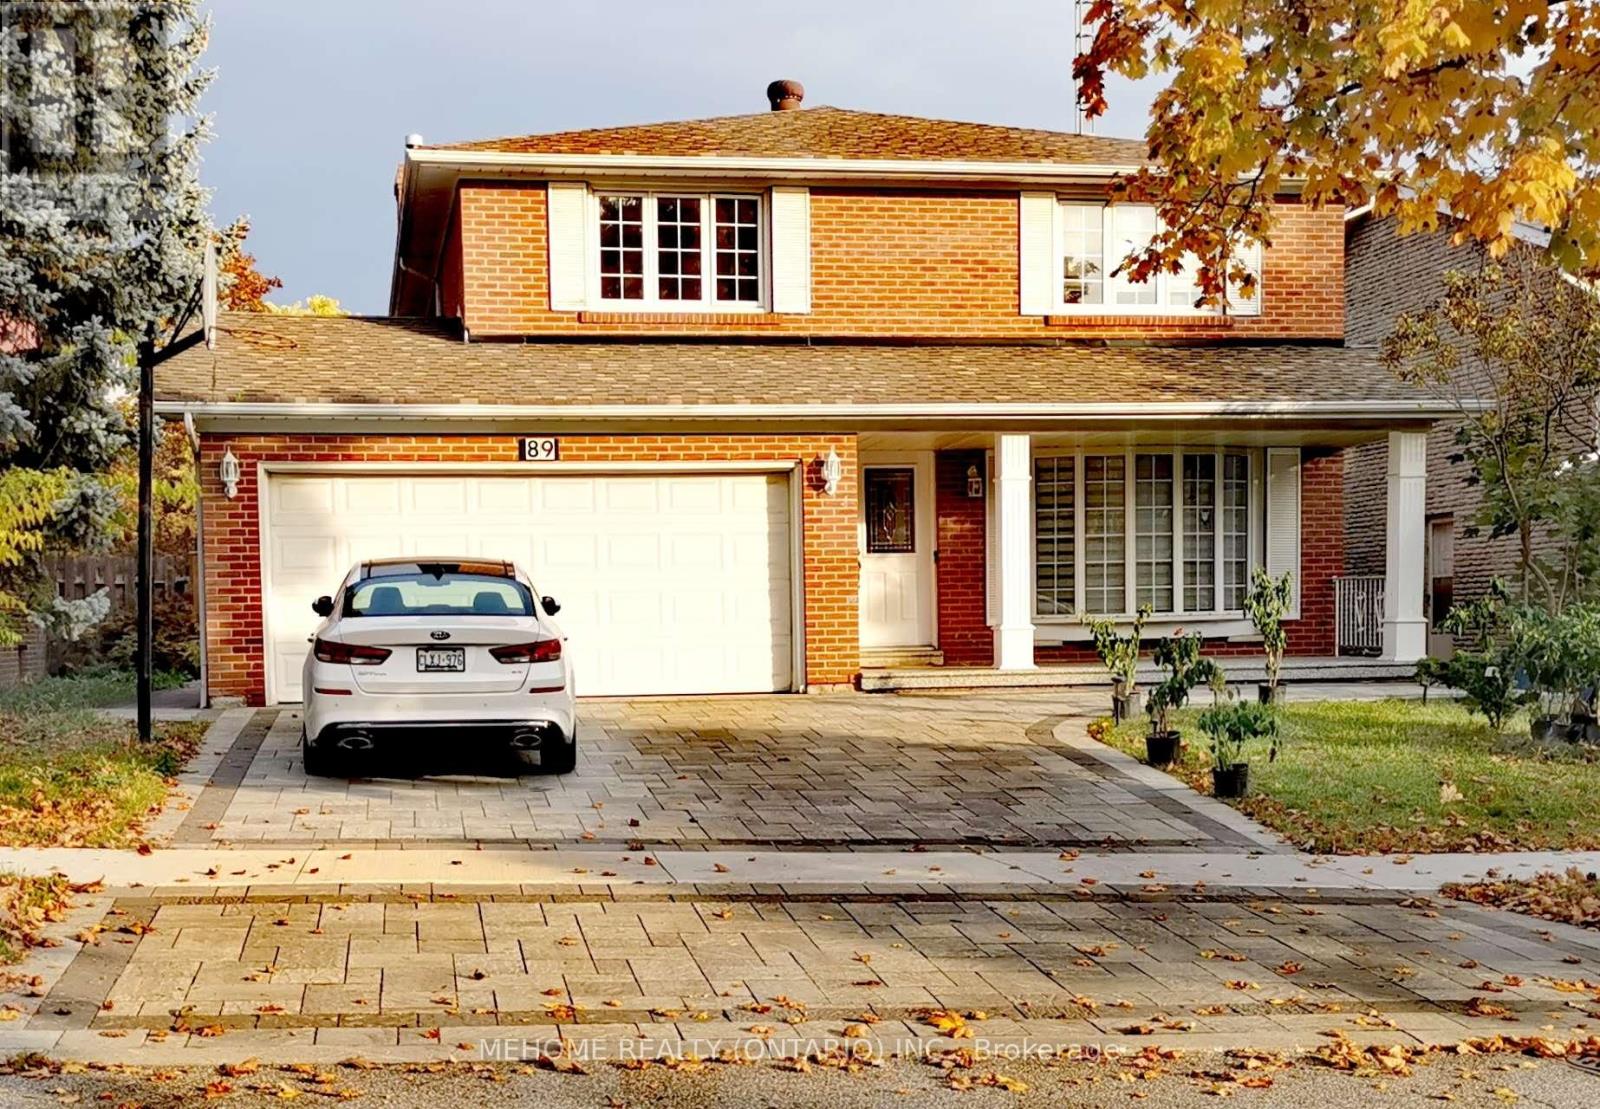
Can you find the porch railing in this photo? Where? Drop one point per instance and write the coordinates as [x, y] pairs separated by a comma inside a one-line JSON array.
[[1358, 615]]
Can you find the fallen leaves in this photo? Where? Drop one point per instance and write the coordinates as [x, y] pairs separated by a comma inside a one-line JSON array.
[[1478, 1007], [1569, 898], [950, 1022]]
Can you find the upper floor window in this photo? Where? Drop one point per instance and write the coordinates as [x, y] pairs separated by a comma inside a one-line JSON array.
[[679, 251], [1094, 239]]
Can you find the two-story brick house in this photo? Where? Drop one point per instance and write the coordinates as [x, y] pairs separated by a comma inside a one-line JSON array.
[[765, 399]]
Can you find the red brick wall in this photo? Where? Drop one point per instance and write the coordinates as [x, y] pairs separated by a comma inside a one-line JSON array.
[[452, 275], [967, 640], [964, 635], [233, 540], [1321, 550], [888, 262]]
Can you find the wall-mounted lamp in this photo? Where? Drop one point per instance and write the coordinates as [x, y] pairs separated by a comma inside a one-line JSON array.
[[832, 472], [974, 482], [228, 471]]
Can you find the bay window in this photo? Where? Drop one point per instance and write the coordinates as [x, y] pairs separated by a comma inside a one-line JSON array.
[[1093, 239], [678, 251], [1113, 531]]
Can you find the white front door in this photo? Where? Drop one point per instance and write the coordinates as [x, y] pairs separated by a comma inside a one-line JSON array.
[[897, 516]]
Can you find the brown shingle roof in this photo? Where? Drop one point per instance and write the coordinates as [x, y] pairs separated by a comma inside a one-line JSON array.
[[354, 360], [828, 133]]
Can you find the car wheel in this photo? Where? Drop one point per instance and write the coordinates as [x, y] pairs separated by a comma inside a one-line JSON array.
[[319, 762], [559, 758]]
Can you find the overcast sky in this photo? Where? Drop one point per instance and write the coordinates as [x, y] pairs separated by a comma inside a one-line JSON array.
[[312, 101]]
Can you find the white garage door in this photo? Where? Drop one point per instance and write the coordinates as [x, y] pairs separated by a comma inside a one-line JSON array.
[[678, 583]]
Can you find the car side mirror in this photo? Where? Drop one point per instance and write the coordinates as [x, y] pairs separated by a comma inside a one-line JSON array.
[[550, 605], [322, 606]]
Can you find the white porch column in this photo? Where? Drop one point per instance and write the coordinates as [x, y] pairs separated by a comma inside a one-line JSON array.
[[1405, 630], [1013, 533]]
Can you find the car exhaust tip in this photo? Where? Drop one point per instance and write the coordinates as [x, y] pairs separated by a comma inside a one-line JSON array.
[[527, 740], [355, 743]]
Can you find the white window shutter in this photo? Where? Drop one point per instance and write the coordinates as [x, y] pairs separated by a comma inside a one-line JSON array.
[[1283, 516], [791, 249], [567, 215], [1036, 250], [991, 580]]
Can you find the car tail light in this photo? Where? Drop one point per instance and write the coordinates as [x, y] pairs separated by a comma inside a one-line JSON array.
[[356, 655], [542, 650]]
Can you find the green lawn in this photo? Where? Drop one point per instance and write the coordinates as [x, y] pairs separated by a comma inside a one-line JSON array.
[[69, 778], [1383, 776]]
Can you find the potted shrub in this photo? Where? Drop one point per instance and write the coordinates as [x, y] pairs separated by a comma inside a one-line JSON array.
[[1232, 726], [1492, 652], [1120, 655], [1267, 604], [1179, 656]]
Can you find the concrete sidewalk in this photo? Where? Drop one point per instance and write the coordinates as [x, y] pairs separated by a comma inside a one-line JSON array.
[[231, 872]]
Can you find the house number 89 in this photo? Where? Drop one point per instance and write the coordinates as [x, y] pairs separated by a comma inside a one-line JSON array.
[[541, 449]]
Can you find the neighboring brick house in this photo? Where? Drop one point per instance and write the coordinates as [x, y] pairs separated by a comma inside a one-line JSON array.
[[766, 400], [1388, 274]]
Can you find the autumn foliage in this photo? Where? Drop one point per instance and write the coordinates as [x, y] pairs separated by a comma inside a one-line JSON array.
[[1487, 111]]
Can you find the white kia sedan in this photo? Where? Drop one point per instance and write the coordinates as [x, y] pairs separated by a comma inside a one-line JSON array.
[[447, 654]]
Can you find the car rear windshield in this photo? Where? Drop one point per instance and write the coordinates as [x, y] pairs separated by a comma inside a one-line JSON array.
[[438, 595]]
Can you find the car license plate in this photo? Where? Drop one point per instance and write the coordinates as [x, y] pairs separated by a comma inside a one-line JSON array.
[[441, 659]]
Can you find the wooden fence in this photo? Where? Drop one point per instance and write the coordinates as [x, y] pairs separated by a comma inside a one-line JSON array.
[[81, 577]]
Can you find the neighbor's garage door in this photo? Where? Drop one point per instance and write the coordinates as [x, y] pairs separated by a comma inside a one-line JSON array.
[[678, 583]]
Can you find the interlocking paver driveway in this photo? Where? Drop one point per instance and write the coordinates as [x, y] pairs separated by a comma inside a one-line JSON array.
[[847, 770], [1298, 965]]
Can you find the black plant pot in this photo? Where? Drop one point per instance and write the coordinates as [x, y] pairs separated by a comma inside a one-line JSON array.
[[1161, 748], [1231, 781]]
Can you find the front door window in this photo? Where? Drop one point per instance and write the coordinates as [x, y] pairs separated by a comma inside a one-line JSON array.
[[891, 510]]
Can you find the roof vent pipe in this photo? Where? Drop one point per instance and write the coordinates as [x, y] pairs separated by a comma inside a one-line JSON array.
[[413, 140], [785, 96]]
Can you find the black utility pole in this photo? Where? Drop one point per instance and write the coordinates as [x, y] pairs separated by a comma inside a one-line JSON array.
[[149, 358], [146, 610]]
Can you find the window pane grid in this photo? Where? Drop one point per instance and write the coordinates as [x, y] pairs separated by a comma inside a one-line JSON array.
[[678, 249], [1199, 532], [738, 249], [1082, 254], [1055, 554], [1235, 530], [622, 247], [1105, 525], [1153, 550]]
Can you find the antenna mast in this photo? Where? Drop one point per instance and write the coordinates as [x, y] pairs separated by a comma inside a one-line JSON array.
[[1081, 39]]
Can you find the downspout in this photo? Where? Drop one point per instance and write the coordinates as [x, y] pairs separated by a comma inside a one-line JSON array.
[[199, 559]]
